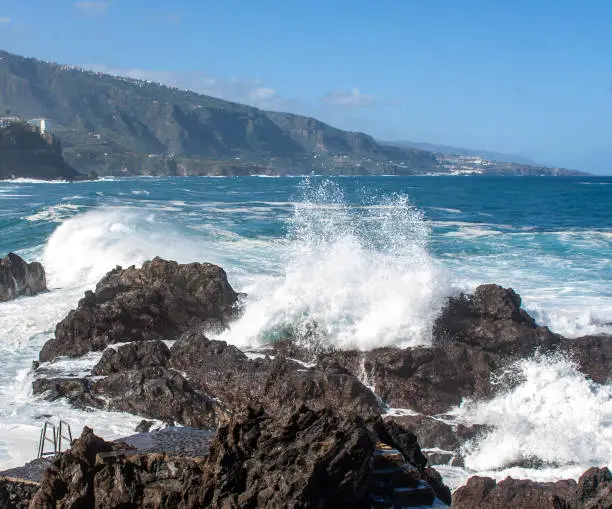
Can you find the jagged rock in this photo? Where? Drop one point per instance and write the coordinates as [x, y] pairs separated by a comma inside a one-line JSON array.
[[313, 459], [154, 392], [158, 393], [277, 384], [592, 491], [133, 356], [492, 320], [593, 355], [17, 277], [159, 301], [144, 426], [69, 481], [310, 459], [474, 337], [430, 432], [76, 390], [15, 494]]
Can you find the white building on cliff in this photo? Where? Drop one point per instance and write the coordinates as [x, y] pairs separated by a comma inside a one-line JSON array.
[[44, 124]]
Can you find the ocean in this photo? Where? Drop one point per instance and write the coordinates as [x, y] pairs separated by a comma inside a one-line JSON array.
[[370, 259]]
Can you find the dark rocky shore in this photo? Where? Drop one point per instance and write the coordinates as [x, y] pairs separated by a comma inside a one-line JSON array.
[[296, 427], [17, 277]]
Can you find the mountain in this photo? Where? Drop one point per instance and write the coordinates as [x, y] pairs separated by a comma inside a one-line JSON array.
[[108, 122], [122, 126], [499, 157]]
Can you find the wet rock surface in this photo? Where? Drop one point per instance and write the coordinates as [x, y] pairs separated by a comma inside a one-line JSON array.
[[158, 301], [16, 494], [133, 356], [277, 384], [474, 337], [157, 393], [440, 441], [76, 390], [592, 491], [202, 382], [179, 441], [17, 277], [310, 459], [32, 471], [593, 355], [154, 392]]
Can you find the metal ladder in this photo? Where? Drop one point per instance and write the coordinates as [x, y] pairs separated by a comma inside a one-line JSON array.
[[58, 434]]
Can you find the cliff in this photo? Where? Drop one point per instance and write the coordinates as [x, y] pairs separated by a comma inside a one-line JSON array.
[[25, 153]]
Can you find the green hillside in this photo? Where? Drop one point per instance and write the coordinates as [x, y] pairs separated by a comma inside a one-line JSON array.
[[112, 124]]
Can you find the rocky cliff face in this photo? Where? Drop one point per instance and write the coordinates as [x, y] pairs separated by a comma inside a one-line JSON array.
[[311, 459], [17, 277], [25, 153]]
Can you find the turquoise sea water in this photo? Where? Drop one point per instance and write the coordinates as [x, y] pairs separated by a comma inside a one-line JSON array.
[[369, 259]]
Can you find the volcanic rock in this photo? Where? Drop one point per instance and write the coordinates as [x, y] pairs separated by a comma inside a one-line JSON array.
[[492, 320], [133, 356], [277, 384], [76, 390], [313, 459], [154, 392], [15, 494], [144, 426], [592, 491], [159, 301], [17, 277], [474, 337], [310, 459], [158, 393], [593, 356]]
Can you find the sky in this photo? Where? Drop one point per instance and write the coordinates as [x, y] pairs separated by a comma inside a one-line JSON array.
[[532, 78]]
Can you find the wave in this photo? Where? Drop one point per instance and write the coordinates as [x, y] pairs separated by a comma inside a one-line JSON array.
[[574, 317], [555, 415], [443, 209], [351, 277], [33, 181], [82, 249], [55, 213]]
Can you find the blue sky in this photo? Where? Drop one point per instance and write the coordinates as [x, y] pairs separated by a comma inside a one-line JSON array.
[[527, 77]]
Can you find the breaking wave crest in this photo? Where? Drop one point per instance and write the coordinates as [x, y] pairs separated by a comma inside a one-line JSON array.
[[555, 416], [82, 249], [357, 277]]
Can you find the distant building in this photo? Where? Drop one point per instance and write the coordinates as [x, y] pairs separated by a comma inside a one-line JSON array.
[[7, 121], [44, 124]]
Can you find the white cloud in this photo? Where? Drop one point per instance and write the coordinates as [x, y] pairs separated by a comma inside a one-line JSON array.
[[262, 94], [352, 98], [92, 7], [5, 20]]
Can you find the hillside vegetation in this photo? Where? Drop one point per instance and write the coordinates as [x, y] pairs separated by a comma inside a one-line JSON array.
[[107, 123], [114, 125]]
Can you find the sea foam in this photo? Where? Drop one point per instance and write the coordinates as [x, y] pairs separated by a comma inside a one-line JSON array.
[[554, 414], [351, 277]]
